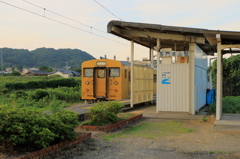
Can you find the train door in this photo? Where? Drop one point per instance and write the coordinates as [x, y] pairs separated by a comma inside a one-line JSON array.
[[100, 80]]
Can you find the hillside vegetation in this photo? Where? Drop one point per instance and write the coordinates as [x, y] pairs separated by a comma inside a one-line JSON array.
[[44, 56]]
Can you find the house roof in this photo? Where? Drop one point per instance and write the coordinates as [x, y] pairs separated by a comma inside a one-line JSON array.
[[67, 71], [38, 72], [146, 34], [51, 72]]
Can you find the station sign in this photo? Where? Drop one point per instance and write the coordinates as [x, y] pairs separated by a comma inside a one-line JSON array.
[[166, 78]]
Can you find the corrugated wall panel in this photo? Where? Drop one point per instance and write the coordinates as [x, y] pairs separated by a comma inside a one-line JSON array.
[[174, 96], [200, 77]]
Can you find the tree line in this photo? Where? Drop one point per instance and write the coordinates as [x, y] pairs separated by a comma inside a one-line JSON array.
[[50, 57]]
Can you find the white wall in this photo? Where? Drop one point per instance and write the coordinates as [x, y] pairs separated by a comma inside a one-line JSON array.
[[174, 96], [200, 77]]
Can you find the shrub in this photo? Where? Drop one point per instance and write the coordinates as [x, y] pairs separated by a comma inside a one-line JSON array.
[[230, 104], [32, 129], [4, 91], [54, 83], [39, 94], [104, 113], [21, 94], [63, 123]]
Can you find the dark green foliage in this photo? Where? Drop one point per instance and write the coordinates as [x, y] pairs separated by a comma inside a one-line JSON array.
[[45, 68], [21, 127], [4, 90], [79, 70], [104, 113], [231, 75], [15, 73], [63, 124], [39, 94], [21, 94], [44, 56], [54, 83], [10, 79], [15, 85], [230, 104]]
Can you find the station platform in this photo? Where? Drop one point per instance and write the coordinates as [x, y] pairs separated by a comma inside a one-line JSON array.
[[148, 111], [228, 122], [83, 108]]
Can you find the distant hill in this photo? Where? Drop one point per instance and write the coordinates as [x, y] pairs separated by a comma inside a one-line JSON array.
[[44, 56]]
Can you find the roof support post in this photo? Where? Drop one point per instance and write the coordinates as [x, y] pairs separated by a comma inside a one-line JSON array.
[[152, 51], [158, 78], [132, 73], [219, 78], [192, 49], [158, 51]]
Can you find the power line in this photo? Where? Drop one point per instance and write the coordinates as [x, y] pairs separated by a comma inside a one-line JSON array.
[[108, 10], [118, 17], [63, 16], [65, 23], [78, 21], [61, 22]]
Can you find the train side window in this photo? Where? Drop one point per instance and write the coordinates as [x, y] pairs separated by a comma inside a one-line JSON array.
[[114, 72], [125, 73], [88, 72], [101, 73], [129, 76], [154, 78]]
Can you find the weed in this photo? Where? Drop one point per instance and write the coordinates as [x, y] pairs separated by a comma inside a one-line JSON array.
[[204, 119], [152, 130], [218, 152]]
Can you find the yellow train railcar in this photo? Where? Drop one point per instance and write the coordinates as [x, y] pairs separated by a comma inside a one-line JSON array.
[[106, 79]]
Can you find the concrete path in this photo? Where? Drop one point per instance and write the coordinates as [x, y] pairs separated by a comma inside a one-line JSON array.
[[149, 111], [228, 122]]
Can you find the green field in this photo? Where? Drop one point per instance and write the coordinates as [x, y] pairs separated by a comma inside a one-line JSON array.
[[53, 98]]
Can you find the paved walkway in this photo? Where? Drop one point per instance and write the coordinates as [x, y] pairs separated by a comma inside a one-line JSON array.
[[150, 112], [228, 122], [147, 111]]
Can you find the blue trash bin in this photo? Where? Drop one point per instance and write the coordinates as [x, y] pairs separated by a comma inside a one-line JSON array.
[[210, 96]]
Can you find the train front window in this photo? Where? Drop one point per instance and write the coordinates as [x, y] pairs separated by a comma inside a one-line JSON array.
[[114, 72], [88, 72], [101, 73]]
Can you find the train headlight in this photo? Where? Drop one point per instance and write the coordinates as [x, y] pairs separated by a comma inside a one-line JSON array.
[[87, 82], [115, 82]]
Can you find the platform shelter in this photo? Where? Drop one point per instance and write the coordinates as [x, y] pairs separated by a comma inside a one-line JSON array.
[[181, 61]]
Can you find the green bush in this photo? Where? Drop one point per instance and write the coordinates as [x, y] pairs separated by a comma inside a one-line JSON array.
[[31, 129], [230, 104], [4, 91], [21, 94], [39, 94], [103, 113], [54, 83]]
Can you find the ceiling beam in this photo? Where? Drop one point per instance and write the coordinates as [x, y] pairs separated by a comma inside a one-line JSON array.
[[175, 37], [218, 37]]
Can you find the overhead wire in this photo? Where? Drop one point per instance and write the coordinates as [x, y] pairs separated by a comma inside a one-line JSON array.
[[75, 20], [45, 9], [62, 23], [118, 17]]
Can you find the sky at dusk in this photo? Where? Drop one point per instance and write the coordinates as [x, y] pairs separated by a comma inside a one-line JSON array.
[[24, 30]]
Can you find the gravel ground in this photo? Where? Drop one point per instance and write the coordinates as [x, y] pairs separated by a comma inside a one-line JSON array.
[[204, 142]]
